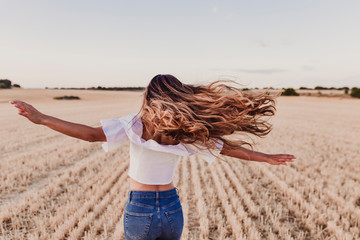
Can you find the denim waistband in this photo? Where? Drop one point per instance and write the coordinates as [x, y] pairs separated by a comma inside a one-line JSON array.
[[153, 194]]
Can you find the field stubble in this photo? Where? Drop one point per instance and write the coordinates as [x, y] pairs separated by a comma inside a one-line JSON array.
[[56, 187]]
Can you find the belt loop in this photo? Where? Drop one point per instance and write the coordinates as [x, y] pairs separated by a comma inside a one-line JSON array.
[[157, 195], [129, 196], [177, 191]]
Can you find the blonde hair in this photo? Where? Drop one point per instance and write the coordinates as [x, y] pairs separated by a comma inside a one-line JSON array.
[[200, 114]]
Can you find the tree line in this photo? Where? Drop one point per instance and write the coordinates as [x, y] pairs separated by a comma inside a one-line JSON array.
[[105, 88], [355, 92]]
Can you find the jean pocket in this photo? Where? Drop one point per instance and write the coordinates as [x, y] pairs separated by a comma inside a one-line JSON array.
[[176, 220], [137, 225]]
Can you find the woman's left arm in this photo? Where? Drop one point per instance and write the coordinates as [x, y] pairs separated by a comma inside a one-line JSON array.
[[247, 154]]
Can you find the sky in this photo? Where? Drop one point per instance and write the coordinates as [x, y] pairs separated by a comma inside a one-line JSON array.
[[259, 43]]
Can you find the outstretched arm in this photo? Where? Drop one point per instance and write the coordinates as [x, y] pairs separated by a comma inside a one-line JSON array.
[[247, 154], [76, 130]]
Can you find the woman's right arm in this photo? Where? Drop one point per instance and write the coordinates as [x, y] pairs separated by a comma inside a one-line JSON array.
[[76, 130]]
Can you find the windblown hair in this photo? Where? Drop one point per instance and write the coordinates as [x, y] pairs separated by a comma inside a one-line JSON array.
[[200, 114]]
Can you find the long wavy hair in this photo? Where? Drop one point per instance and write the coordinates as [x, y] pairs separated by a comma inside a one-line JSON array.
[[200, 114]]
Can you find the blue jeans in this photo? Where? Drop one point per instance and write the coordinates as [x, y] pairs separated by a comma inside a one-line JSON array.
[[153, 215]]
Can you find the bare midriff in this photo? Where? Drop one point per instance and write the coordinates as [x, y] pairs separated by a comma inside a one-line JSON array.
[[136, 186]]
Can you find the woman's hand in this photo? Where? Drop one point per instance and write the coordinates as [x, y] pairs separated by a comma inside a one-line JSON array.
[[28, 111], [277, 159]]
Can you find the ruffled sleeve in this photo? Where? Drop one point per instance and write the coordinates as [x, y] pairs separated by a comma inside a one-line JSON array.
[[114, 130], [204, 153]]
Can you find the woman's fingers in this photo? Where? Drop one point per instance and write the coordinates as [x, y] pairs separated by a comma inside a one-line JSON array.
[[286, 160], [23, 114], [284, 157], [281, 159], [15, 102], [277, 163], [23, 106], [19, 104]]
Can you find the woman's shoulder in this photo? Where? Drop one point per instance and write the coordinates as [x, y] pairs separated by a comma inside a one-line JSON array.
[[126, 118], [130, 117]]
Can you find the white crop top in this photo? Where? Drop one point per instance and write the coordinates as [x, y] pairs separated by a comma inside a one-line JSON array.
[[150, 162]]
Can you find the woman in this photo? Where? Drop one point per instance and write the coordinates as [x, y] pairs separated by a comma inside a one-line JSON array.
[[175, 120]]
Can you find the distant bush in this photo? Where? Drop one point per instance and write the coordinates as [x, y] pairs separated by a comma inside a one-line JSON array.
[[16, 85], [2, 85], [320, 88], [102, 88], [245, 89], [117, 88], [304, 88], [289, 92], [5, 83], [67, 98], [355, 92]]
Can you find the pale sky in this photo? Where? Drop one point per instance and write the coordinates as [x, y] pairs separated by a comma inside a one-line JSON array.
[[260, 43]]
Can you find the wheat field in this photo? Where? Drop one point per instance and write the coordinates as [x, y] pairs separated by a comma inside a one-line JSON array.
[[56, 187]]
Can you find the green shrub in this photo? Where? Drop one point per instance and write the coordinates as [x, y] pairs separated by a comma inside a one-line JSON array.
[[355, 92], [67, 98], [289, 92]]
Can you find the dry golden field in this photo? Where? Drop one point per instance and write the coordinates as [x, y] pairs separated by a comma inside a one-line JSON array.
[[56, 187]]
